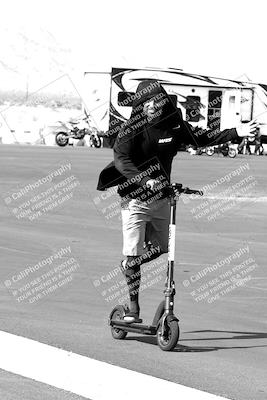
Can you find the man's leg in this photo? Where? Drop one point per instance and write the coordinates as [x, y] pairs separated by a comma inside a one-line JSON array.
[[134, 220], [132, 272], [138, 228]]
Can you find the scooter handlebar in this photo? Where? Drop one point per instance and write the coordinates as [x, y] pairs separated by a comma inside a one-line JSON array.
[[178, 188], [192, 191]]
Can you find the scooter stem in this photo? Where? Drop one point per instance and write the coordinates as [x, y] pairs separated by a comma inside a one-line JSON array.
[[172, 229], [170, 286]]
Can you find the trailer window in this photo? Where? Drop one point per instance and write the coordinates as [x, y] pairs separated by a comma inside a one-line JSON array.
[[192, 106], [214, 109]]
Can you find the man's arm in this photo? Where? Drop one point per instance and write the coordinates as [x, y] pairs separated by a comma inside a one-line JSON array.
[[202, 137]]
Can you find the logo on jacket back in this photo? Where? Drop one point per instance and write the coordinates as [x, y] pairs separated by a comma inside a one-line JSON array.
[[167, 140]]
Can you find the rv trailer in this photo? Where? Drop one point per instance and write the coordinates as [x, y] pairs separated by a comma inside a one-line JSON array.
[[205, 102]]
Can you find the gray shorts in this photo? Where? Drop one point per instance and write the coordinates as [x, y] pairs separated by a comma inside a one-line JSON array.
[[143, 222]]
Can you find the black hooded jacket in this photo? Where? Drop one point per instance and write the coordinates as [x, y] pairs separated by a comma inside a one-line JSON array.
[[145, 150]]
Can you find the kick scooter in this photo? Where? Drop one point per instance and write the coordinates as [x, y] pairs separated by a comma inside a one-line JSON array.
[[165, 324]]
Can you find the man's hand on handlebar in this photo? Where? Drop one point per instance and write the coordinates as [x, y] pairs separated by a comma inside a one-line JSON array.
[[175, 188], [193, 191], [180, 189], [153, 184]]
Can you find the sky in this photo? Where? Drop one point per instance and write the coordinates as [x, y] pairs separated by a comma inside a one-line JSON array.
[[223, 38]]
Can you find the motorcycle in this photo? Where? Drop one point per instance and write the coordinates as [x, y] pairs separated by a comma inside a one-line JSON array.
[[244, 146], [78, 130], [224, 149]]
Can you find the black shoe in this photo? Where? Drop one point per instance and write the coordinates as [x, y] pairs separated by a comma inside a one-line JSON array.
[[132, 317]]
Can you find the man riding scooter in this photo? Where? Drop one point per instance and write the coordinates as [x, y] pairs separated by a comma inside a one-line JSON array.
[[143, 153]]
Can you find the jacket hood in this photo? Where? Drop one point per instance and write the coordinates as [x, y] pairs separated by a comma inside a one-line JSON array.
[[146, 90], [151, 88]]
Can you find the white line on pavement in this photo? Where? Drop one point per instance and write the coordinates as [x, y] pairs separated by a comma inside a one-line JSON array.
[[255, 287], [16, 250], [86, 377], [249, 199], [259, 277]]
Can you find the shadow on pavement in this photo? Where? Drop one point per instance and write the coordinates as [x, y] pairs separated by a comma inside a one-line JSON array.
[[197, 349], [236, 335]]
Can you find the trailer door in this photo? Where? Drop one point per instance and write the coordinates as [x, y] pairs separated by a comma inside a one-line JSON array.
[[231, 108], [236, 107], [246, 109]]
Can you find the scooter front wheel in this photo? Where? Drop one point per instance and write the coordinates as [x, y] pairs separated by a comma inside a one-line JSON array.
[[168, 340], [117, 314]]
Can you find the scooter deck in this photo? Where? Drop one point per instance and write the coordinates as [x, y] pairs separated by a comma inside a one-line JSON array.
[[134, 327]]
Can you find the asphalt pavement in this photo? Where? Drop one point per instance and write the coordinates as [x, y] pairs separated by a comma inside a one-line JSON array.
[[223, 339]]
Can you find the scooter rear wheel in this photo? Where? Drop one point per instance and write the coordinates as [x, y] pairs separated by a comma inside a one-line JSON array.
[[118, 314], [168, 341]]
